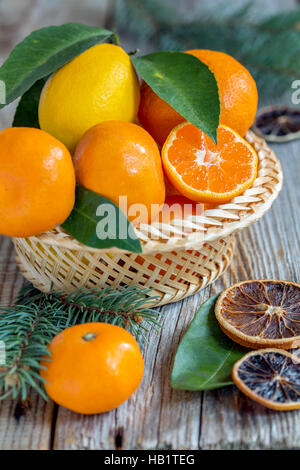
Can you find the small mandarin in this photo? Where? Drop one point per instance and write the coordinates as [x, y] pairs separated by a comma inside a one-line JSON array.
[[237, 89], [118, 158], [93, 367], [36, 171], [156, 115]]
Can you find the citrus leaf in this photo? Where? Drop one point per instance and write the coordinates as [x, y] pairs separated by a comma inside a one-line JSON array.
[[26, 114], [97, 222], [205, 356], [186, 84], [43, 52]]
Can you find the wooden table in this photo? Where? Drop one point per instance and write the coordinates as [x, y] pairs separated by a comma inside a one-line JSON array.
[[157, 417]]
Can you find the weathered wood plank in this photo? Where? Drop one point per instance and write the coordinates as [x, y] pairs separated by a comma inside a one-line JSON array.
[[30, 430], [33, 429], [232, 421]]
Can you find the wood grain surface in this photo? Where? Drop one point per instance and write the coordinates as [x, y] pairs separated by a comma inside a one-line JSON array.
[[157, 417]]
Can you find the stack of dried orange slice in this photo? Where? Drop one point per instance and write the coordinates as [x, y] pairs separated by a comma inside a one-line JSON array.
[[265, 314]]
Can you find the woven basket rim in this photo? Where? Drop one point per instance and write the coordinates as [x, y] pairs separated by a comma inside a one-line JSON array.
[[216, 223]]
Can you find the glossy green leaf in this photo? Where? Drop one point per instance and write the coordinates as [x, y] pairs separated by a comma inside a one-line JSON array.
[[97, 222], [27, 110], [186, 84], [205, 356], [43, 52]]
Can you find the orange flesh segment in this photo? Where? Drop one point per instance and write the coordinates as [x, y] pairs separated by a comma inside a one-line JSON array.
[[197, 163]]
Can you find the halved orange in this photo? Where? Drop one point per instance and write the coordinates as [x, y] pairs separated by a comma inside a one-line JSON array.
[[203, 171], [261, 314], [270, 377]]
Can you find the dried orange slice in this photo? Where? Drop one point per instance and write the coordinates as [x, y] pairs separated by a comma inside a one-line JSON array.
[[203, 171], [261, 314], [270, 377]]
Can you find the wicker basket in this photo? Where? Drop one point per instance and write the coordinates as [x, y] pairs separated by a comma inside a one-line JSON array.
[[178, 259]]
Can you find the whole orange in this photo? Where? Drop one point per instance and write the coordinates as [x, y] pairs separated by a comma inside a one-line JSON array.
[[117, 159], [237, 92], [156, 115], [93, 368], [36, 171], [237, 89]]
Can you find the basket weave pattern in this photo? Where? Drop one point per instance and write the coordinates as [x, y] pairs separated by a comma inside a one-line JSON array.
[[178, 258], [171, 276]]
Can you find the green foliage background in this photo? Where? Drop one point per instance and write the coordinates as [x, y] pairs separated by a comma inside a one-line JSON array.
[[268, 46]]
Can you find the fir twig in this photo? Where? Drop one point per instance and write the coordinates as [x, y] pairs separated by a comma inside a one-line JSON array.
[[28, 326]]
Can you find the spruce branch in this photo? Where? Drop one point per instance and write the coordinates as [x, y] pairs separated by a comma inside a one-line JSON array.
[[268, 47], [28, 326]]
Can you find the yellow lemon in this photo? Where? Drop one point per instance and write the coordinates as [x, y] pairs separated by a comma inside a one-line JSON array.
[[98, 85]]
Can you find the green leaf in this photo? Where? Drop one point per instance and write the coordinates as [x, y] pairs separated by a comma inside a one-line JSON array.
[[97, 222], [186, 84], [43, 52], [205, 356], [27, 111]]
